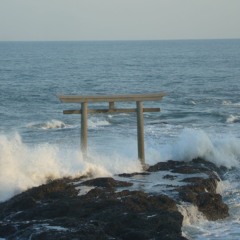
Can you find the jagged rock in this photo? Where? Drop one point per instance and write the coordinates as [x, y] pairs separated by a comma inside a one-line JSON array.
[[32, 198], [127, 175], [170, 177], [164, 166], [211, 206], [56, 210], [102, 212], [197, 165], [106, 182], [202, 193], [53, 190], [199, 185], [7, 229]]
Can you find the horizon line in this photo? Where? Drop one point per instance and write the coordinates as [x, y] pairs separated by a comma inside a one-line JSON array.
[[122, 40]]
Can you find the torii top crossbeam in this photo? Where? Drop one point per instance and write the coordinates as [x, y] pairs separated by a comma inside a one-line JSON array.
[[112, 98]]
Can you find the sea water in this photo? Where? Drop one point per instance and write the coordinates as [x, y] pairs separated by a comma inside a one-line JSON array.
[[200, 116]]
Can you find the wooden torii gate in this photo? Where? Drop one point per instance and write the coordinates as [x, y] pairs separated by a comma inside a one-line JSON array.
[[111, 99]]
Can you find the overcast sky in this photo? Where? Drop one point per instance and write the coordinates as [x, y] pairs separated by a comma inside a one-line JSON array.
[[118, 19]]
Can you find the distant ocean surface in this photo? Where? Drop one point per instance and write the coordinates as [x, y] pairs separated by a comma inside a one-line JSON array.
[[200, 115]]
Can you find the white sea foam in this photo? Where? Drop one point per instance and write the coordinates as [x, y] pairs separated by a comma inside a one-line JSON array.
[[226, 102], [23, 166], [95, 123], [58, 228], [191, 143], [52, 124], [230, 103], [190, 213], [233, 119]]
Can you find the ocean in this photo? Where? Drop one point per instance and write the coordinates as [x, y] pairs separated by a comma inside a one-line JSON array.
[[200, 114]]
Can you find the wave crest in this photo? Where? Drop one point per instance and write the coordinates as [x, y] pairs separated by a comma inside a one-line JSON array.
[[53, 124], [192, 143], [23, 166], [233, 119]]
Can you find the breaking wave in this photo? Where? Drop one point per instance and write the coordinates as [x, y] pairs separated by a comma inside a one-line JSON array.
[[230, 103], [96, 123], [233, 119], [23, 166], [190, 213], [93, 123], [223, 150], [53, 124]]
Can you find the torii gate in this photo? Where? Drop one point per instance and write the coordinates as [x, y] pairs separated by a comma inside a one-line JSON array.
[[111, 99]]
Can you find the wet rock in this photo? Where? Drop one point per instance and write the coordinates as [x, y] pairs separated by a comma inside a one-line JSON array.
[[201, 184], [127, 175], [197, 165], [211, 206], [32, 198], [53, 190], [209, 165], [170, 177], [105, 182], [56, 210], [188, 169], [102, 213], [202, 193], [164, 166], [7, 229], [199, 191]]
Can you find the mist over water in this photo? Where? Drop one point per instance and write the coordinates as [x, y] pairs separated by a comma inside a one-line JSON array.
[[199, 116]]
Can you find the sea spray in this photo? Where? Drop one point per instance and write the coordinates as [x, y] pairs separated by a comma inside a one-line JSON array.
[[23, 166], [192, 143], [196, 225], [190, 213]]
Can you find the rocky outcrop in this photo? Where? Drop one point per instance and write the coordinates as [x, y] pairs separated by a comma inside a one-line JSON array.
[[55, 211], [111, 209], [199, 191]]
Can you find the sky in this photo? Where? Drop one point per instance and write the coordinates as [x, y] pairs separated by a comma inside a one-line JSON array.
[[63, 20]]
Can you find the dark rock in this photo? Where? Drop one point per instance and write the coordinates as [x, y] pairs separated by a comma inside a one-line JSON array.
[[202, 193], [212, 206], [201, 184], [106, 183], [7, 229], [101, 212], [23, 203], [188, 169], [56, 211], [197, 165], [192, 179], [164, 166], [53, 190], [32, 198], [127, 175], [170, 177], [209, 165]]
